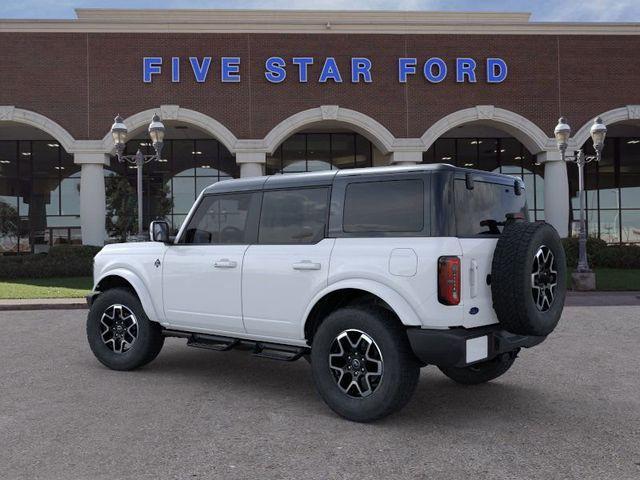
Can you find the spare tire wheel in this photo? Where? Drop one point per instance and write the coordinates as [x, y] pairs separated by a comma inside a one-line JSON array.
[[528, 278]]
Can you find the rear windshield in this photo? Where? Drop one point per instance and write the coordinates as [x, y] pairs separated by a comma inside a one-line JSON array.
[[483, 209]]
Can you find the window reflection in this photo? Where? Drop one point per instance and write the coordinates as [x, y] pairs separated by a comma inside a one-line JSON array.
[[187, 167], [39, 196], [307, 152], [503, 155], [612, 191]]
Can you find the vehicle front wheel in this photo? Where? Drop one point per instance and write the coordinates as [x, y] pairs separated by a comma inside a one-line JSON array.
[[481, 372], [362, 363], [120, 334]]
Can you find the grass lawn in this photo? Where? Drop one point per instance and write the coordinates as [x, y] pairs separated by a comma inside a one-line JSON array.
[[607, 279], [613, 279], [71, 287]]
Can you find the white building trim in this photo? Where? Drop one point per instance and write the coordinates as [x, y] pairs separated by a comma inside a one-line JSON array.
[[629, 112], [310, 21], [531, 136], [9, 113], [363, 124], [175, 112]]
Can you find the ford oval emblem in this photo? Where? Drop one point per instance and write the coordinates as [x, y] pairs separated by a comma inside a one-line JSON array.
[[474, 310]]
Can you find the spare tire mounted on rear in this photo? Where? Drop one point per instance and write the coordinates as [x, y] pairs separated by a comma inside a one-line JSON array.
[[528, 278]]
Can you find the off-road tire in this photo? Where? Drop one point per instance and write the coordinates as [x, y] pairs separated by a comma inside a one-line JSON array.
[[401, 369], [144, 349], [480, 372], [511, 278]]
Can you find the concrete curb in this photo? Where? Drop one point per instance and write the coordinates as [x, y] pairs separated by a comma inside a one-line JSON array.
[[43, 304]]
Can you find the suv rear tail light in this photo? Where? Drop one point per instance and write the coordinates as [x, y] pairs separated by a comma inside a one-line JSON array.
[[449, 280]]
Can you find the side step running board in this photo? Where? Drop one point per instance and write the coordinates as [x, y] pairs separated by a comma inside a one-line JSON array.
[[273, 351]]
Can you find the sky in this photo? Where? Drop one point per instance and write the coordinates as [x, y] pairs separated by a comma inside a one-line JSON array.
[[542, 10]]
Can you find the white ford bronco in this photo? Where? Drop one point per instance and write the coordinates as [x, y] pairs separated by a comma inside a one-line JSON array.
[[370, 274]]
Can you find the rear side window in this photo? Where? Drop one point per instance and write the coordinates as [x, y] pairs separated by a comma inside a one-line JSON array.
[[294, 216], [384, 206], [482, 210], [223, 219]]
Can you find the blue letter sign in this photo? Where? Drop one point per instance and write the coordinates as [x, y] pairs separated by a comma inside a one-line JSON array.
[[428, 70], [330, 71], [360, 67], [200, 71], [303, 66], [150, 66], [434, 69], [406, 66], [275, 69], [496, 70]]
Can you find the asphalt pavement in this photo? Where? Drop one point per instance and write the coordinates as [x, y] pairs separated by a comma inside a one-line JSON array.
[[570, 408]]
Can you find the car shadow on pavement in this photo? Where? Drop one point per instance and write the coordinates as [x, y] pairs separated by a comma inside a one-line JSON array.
[[436, 399]]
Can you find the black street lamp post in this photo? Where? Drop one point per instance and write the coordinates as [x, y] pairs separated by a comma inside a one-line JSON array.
[[156, 132], [562, 133]]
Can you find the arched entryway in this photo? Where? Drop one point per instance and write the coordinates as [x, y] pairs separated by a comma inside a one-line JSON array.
[[495, 139], [325, 138], [192, 159], [39, 184], [613, 185]]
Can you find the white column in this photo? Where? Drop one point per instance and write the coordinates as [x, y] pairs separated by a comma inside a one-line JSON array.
[[92, 197], [405, 158], [556, 191], [251, 163]]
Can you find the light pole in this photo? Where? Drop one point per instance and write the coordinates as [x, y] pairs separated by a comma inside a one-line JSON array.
[[156, 132], [562, 133]]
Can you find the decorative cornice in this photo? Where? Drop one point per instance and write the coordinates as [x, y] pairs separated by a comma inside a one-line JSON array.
[[309, 21]]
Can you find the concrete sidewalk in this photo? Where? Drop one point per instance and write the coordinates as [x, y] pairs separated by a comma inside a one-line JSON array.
[[574, 299]]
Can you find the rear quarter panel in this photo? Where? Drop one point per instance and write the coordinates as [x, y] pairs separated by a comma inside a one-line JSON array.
[[370, 260]]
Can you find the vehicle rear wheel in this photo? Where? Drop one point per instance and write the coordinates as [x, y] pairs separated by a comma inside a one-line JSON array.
[[362, 363], [119, 333], [481, 372]]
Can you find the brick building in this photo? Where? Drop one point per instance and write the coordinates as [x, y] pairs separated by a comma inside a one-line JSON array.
[[250, 92]]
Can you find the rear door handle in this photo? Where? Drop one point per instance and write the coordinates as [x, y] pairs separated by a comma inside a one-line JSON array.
[[225, 263], [307, 265]]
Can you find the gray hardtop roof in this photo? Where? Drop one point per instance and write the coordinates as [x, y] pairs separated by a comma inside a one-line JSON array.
[[326, 177]]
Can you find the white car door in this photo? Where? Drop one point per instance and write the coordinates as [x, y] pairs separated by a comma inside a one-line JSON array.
[[290, 263], [202, 272]]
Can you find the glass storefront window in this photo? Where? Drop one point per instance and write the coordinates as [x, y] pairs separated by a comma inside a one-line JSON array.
[[630, 224], [445, 151], [467, 152], [305, 152], [186, 168]]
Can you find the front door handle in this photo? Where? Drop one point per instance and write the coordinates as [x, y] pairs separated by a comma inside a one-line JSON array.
[[225, 263], [306, 265]]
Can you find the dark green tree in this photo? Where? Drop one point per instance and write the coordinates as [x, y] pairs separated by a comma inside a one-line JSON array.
[[122, 207], [9, 221], [162, 202], [122, 214]]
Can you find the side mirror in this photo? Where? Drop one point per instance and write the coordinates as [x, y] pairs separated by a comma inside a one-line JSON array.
[[159, 231]]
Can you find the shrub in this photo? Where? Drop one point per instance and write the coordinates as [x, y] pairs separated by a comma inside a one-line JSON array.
[[571, 249], [618, 256], [61, 261], [599, 254]]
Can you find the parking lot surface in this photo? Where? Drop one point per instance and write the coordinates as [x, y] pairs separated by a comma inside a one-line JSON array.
[[569, 408]]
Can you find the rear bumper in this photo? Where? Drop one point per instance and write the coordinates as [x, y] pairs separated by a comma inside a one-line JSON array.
[[459, 347]]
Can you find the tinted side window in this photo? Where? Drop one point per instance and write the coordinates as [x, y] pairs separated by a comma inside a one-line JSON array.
[[386, 206], [479, 210], [293, 216], [222, 219]]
